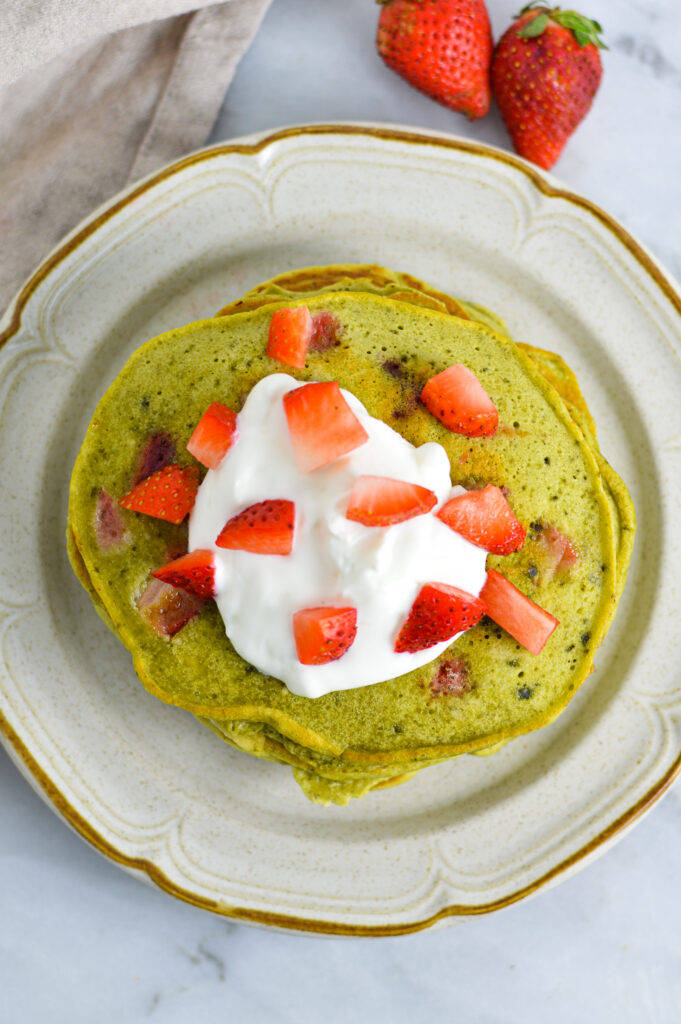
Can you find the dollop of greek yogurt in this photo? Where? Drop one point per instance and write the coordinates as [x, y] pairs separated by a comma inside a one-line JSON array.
[[334, 562]]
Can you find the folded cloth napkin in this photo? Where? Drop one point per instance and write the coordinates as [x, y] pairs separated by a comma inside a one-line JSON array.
[[127, 96]]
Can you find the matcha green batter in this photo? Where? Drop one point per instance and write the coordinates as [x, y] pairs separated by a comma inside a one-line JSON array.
[[544, 454]]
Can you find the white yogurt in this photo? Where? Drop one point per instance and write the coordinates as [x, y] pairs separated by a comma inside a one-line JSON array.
[[335, 562]]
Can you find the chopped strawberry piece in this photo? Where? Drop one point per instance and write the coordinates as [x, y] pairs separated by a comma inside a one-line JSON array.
[[265, 528], [484, 518], [214, 435], [194, 572], [457, 398], [167, 609], [110, 528], [326, 331], [382, 501], [394, 368], [290, 335], [168, 494], [158, 452], [558, 549], [176, 548], [570, 557], [324, 634], [321, 424], [437, 614], [451, 679], [527, 623], [552, 552]]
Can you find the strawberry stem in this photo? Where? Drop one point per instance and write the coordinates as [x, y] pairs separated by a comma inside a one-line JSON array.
[[585, 30]]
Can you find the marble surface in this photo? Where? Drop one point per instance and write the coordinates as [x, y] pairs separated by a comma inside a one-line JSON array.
[[82, 941]]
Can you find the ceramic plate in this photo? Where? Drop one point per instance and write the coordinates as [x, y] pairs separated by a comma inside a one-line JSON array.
[[144, 782]]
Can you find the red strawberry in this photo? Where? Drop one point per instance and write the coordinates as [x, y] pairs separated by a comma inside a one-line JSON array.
[[562, 555], [545, 73], [167, 609], [484, 518], [382, 501], [322, 425], [324, 634], [168, 494], [569, 558], [457, 398], [110, 527], [327, 331], [158, 452], [451, 679], [442, 47], [265, 528], [194, 572], [554, 552], [214, 435], [438, 612], [290, 335], [527, 623]]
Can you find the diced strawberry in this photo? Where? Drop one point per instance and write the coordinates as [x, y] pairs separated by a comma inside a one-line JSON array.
[[570, 557], [265, 528], [176, 548], [110, 527], [194, 572], [558, 550], [457, 398], [167, 609], [214, 435], [551, 552], [158, 452], [321, 424], [394, 368], [290, 335], [324, 634], [326, 331], [168, 494], [438, 612], [484, 518], [382, 501], [527, 623], [451, 679]]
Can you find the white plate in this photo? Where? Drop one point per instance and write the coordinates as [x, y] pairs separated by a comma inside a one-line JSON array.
[[149, 786]]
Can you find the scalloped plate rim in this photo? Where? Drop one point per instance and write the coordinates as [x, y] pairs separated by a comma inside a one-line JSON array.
[[11, 321]]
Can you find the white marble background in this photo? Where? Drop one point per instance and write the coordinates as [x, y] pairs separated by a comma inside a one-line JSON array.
[[81, 942]]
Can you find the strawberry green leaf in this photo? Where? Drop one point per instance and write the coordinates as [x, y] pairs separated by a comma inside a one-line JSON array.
[[570, 19], [535, 27], [585, 30]]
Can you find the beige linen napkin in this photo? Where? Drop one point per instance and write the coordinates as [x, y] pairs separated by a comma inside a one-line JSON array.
[[109, 110]]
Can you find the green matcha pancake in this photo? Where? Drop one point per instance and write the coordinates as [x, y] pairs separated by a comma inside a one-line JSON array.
[[485, 688], [407, 288]]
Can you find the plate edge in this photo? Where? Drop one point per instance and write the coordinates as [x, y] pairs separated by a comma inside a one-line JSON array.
[[251, 145]]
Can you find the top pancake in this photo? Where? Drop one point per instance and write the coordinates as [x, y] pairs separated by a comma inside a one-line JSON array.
[[378, 280], [387, 352]]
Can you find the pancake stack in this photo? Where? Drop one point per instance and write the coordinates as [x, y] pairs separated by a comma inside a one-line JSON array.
[[387, 334]]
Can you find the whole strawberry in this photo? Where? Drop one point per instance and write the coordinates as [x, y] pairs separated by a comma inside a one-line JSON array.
[[441, 47], [546, 70]]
